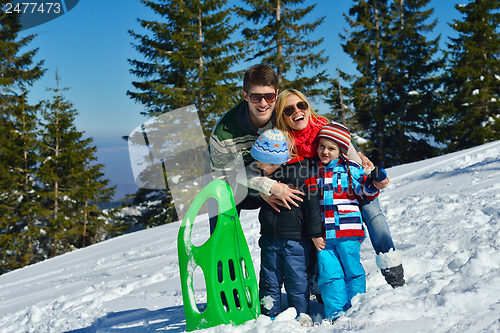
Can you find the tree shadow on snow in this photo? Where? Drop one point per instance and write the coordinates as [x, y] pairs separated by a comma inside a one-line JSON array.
[[138, 321]]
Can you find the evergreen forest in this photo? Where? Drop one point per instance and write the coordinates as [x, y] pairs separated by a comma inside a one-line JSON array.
[[409, 98]]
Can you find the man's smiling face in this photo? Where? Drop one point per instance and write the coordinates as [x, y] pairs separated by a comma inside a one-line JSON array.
[[261, 112]]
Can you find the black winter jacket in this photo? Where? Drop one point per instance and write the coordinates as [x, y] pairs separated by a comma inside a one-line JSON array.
[[298, 222]]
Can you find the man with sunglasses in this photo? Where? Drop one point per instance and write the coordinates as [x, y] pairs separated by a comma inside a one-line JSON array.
[[232, 138]]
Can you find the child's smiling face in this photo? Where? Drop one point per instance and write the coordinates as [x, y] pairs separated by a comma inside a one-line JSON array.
[[327, 150]]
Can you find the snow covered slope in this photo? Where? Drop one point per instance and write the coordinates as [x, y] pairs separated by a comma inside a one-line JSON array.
[[444, 215]]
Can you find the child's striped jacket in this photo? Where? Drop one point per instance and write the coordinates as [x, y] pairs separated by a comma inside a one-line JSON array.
[[339, 206]]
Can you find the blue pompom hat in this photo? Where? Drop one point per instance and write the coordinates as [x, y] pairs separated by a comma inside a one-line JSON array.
[[271, 147]]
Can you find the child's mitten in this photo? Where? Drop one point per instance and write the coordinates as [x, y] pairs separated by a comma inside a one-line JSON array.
[[378, 174]]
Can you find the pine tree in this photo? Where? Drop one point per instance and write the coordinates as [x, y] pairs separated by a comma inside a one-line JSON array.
[[92, 191], [72, 184], [280, 41], [19, 204], [472, 79], [188, 61], [365, 45], [412, 113], [339, 101], [394, 95]]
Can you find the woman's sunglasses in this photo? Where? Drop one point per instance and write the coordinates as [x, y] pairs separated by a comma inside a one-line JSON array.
[[302, 105], [256, 98]]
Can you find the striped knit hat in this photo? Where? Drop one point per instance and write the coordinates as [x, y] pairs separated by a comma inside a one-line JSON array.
[[271, 147], [339, 134]]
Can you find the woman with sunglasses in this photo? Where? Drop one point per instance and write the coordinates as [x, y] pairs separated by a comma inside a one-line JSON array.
[[301, 124]]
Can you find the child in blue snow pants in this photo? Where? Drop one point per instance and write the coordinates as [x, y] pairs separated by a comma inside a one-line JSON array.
[[341, 275], [342, 185]]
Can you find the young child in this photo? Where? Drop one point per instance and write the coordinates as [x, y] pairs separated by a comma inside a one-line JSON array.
[[285, 240], [341, 184]]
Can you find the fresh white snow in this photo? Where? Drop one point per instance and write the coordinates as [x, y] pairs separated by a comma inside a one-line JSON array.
[[444, 215]]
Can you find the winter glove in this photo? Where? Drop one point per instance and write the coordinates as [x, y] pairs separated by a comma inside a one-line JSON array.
[[378, 174]]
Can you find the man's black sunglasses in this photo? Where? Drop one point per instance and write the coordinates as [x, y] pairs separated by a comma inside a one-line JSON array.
[[256, 98]]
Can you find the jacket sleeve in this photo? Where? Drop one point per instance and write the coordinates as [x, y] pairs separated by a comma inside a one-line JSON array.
[[252, 178], [352, 153], [358, 182], [225, 164], [311, 209]]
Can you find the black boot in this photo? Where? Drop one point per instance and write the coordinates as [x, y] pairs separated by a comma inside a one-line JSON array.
[[391, 266], [394, 276]]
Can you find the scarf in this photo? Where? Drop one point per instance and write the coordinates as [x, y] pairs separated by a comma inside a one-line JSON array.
[[306, 140]]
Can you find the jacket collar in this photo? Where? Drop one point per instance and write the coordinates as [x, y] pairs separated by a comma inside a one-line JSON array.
[[332, 164]]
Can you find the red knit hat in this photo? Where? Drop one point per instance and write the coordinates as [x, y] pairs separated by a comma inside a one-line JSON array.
[[339, 134]]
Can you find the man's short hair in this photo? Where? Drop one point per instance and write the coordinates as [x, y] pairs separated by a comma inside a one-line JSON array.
[[260, 75]]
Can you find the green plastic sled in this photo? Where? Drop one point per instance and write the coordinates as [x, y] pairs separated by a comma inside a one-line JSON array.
[[232, 292]]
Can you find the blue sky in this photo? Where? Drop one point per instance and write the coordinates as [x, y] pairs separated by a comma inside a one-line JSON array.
[[90, 46]]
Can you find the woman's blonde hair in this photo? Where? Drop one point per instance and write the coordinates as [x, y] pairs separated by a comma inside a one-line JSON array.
[[280, 117]]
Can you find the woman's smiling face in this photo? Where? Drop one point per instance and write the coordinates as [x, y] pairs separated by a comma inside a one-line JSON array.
[[299, 119]]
